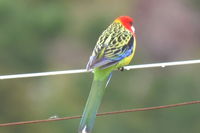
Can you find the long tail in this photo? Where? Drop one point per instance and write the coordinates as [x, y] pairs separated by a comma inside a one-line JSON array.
[[100, 81]]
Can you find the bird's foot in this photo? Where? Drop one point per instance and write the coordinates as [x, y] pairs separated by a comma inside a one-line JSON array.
[[121, 69]]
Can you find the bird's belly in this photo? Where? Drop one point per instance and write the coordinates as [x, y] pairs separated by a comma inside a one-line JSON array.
[[125, 61]]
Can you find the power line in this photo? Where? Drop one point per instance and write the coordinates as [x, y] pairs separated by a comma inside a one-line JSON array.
[[100, 114], [40, 74]]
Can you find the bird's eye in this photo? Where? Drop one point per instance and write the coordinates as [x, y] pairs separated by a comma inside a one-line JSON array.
[[131, 23]]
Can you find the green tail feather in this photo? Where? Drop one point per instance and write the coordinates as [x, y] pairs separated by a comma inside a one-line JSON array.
[[101, 77]]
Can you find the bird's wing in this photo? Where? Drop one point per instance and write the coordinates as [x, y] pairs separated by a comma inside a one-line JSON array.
[[115, 48]]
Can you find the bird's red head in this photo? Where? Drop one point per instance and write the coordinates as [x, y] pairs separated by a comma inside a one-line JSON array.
[[127, 22]]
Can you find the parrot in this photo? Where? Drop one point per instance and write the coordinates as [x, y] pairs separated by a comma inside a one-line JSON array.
[[114, 49]]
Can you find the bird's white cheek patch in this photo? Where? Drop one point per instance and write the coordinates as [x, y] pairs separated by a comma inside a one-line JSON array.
[[132, 28]]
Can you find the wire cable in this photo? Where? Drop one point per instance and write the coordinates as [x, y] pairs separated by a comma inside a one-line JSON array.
[[40, 74], [99, 114]]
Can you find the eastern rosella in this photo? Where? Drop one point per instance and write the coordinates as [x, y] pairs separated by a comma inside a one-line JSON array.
[[114, 49]]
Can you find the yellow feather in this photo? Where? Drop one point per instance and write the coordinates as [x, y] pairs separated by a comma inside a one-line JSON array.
[[128, 59]]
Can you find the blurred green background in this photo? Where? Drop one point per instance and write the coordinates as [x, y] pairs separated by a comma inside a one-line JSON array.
[[49, 35]]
